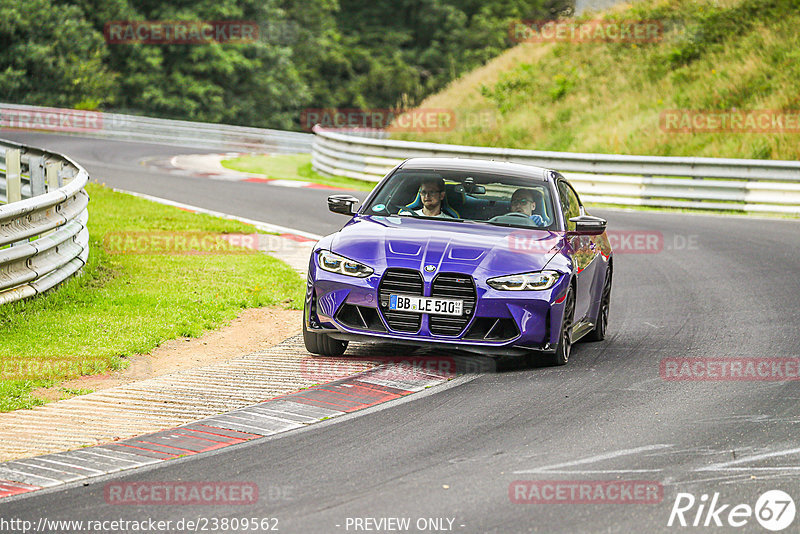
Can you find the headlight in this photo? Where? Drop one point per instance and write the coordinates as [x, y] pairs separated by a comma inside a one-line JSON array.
[[334, 263], [536, 281]]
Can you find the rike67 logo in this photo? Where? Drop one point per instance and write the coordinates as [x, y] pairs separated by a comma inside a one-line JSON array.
[[774, 510]]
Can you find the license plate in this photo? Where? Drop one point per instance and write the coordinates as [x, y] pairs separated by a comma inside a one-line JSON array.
[[432, 305]]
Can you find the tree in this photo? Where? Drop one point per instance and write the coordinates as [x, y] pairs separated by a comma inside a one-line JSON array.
[[51, 56]]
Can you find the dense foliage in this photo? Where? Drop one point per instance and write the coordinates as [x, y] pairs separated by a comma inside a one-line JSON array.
[[309, 54], [714, 59]]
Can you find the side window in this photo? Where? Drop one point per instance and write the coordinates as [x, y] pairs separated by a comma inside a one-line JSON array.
[[570, 205]]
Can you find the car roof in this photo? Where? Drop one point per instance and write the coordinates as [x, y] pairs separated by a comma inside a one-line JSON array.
[[478, 166]]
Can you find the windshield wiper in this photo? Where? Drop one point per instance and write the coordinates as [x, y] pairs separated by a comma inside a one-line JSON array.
[[434, 218], [508, 225]]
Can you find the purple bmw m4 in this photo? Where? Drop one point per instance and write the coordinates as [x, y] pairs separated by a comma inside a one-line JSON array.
[[489, 257]]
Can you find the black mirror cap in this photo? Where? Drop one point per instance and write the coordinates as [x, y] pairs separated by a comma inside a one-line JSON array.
[[342, 204], [588, 225]]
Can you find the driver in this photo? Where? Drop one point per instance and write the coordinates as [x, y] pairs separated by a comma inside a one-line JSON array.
[[432, 192], [523, 201]]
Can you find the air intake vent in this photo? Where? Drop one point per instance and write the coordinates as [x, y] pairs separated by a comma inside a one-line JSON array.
[[453, 286], [400, 282], [360, 317], [493, 329]]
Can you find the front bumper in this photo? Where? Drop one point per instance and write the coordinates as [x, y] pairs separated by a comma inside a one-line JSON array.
[[336, 305]]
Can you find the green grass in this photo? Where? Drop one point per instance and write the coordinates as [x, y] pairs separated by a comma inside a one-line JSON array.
[[292, 167], [715, 55], [15, 394], [126, 304]]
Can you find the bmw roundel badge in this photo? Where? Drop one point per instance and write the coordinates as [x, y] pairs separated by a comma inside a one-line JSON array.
[[430, 268]]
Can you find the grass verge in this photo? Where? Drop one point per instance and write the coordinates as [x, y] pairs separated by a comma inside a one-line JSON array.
[[292, 167], [126, 304], [609, 97]]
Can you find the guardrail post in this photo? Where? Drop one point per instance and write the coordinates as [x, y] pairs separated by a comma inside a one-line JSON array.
[[13, 176], [36, 168], [65, 174], [53, 175]]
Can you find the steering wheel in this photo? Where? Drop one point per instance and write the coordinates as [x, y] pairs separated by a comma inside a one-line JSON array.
[[545, 219], [516, 214]]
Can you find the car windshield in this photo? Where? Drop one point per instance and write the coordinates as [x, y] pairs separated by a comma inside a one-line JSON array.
[[468, 196]]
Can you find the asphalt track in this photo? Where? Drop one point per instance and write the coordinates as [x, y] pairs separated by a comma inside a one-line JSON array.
[[717, 287], [120, 165]]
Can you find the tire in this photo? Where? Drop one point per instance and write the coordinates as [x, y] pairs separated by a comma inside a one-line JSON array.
[[329, 346], [310, 339], [564, 346], [598, 333], [322, 344]]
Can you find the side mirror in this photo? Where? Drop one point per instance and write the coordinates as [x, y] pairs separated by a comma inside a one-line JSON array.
[[342, 204], [588, 225]]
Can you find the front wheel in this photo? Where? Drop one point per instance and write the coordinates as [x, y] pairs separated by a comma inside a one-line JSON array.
[[329, 346], [598, 333], [564, 347], [310, 339], [322, 344]]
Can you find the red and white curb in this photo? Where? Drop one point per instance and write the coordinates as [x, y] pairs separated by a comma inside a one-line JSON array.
[[210, 166], [280, 414]]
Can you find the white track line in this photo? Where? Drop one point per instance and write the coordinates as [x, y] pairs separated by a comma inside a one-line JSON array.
[[726, 466], [261, 225], [597, 458]]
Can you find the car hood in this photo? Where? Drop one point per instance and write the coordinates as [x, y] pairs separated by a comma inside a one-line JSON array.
[[449, 246]]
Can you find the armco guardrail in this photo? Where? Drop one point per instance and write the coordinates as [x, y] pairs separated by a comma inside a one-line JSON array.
[[43, 215], [677, 182], [149, 130]]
